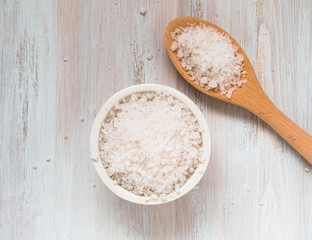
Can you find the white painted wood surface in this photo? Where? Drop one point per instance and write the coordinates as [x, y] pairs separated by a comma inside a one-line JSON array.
[[60, 61]]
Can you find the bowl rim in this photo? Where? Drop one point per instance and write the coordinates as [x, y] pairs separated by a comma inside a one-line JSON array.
[[94, 146]]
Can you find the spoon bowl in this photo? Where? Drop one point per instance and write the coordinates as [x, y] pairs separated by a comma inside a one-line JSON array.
[[250, 96]]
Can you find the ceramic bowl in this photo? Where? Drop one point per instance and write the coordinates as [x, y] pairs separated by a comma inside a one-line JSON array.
[[94, 145]]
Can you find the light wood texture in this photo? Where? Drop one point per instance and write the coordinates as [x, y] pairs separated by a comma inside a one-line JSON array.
[[60, 60], [250, 96]]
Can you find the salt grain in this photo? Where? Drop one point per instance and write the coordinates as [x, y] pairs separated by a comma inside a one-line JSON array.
[[209, 57], [143, 11], [149, 57], [150, 144]]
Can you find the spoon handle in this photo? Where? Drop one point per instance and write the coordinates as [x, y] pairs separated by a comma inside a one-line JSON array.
[[287, 129]]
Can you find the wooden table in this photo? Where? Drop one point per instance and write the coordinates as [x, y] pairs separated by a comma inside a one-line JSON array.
[[61, 60]]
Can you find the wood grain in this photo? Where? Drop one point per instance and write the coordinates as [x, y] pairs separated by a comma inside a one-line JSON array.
[[60, 61]]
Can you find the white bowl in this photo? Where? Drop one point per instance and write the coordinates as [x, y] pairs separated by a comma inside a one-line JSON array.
[[94, 145]]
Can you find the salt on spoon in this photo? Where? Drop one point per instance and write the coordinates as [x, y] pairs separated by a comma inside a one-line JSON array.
[[251, 96], [209, 57]]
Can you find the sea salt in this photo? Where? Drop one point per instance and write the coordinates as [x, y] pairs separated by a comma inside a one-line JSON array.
[[209, 57], [143, 11], [150, 144]]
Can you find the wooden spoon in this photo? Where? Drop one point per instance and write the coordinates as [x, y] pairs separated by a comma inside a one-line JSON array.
[[250, 96]]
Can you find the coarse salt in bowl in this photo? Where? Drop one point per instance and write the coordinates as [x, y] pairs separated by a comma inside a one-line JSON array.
[[104, 113]]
